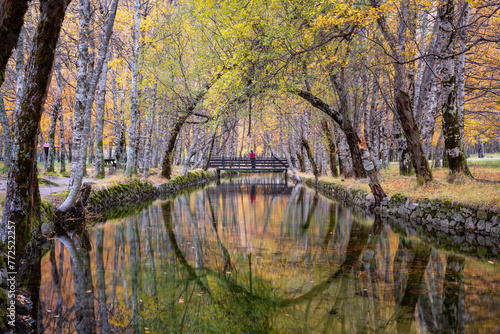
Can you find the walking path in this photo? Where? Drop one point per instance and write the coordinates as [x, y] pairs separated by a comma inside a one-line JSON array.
[[45, 189]]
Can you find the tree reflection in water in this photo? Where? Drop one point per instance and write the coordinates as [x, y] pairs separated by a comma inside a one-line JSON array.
[[255, 255]]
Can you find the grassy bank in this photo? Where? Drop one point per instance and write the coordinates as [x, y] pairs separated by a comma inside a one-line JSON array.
[[460, 190]]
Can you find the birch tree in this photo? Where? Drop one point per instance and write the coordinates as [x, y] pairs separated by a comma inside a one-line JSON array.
[[134, 109], [23, 198], [100, 105], [11, 22], [56, 110], [84, 99], [445, 39], [402, 95], [6, 133]]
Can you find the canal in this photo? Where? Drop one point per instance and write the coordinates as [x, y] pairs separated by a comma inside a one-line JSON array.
[[255, 255]]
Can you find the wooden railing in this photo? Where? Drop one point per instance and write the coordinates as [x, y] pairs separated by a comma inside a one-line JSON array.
[[260, 163]]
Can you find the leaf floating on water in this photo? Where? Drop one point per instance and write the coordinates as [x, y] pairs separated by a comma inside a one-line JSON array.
[[88, 291], [491, 262], [181, 301]]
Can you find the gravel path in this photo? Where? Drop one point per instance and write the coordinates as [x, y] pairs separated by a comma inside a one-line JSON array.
[[45, 190]]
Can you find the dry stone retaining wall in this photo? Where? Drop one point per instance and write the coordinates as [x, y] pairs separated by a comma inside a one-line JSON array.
[[439, 215], [138, 191]]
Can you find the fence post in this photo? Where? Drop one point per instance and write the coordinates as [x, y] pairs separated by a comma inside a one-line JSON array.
[[223, 162], [239, 162], [274, 162]]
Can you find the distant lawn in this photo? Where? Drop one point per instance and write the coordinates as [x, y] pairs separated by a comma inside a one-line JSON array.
[[494, 155], [488, 163], [463, 190]]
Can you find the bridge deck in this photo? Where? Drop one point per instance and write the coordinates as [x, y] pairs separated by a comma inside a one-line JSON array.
[[259, 165], [247, 164]]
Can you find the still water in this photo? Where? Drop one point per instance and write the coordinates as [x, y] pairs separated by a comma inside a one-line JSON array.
[[253, 255]]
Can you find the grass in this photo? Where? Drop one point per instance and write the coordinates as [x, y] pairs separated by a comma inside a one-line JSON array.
[[462, 190], [2, 201]]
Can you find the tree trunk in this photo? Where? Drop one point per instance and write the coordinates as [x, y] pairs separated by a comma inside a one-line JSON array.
[[56, 110], [373, 123], [359, 153], [429, 121], [405, 165], [63, 143], [438, 155], [480, 151], [301, 162], [80, 136], [192, 150], [148, 145], [212, 142], [11, 22], [330, 145], [84, 99], [90, 143], [402, 95], [454, 150], [23, 198], [344, 156], [310, 156], [134, 109], [460, 64], [99, 124], [117, 122], [166, 168], [7, 134], [19, 70]]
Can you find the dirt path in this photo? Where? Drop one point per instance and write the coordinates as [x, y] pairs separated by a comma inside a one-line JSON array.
[[46, 190]]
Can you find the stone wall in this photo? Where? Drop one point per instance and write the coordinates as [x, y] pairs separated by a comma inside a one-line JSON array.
[[124, 194], [439, 215]]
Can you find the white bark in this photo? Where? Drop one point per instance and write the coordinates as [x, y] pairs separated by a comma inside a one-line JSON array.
[[149, 134], [85, 99], [7, 134], [19, 70], [62, 142], [192, 149], [118, 124], [445, 44], [56, 110], [345, 160], [460, 64], [99, 127], [134, 110]]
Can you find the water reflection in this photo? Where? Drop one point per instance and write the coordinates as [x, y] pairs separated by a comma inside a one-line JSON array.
[[256, 255]]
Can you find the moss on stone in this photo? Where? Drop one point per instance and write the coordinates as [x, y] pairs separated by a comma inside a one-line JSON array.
[[3, 306], [47, 212]]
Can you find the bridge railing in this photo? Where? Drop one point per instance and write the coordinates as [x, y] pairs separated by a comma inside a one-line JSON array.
[[246, 163]]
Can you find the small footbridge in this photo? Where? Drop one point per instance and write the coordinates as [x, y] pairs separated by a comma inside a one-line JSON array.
[[259, 165]]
